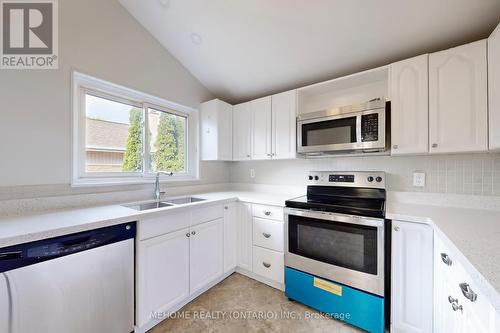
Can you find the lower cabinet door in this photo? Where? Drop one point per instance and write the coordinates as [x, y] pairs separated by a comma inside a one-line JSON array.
[[163, 274], [244, 236], [446, 319], [206, 253], [230, 236], [412, 283]]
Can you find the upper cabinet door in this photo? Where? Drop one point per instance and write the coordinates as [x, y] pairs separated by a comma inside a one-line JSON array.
[[458, 99], [225, 135], [216, 131], [284, 113], [494, 88], [242, 121], [409, 91], [261, 128]]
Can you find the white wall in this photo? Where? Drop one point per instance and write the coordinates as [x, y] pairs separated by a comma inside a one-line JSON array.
[[100, 38], [477, 174]]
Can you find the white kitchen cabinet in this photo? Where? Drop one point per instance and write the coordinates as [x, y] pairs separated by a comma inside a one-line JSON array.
[[453, 311], [268, 264], [245, 236], [216, 131], [445, 319], [268, 234], [242, 132], [206, 254], [230, 236], [494, 88], [261, 128], [458, 99], [412, 281], [163, 274], [409, 91], [284, 115]]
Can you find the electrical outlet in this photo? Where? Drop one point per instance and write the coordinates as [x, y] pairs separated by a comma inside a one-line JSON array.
[[252, 173], [419, 179]]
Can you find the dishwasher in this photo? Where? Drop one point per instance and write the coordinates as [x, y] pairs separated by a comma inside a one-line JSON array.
[[77, 283]]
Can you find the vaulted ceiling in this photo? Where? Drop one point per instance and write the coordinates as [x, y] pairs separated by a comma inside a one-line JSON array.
[[244, 49]]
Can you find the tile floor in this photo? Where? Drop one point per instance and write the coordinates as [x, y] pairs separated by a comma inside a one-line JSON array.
[[237, 297]]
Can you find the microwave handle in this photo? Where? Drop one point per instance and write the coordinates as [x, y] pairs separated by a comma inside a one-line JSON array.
[[358, 128]]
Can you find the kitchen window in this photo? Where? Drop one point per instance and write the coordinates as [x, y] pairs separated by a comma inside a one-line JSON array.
[[124, 136]]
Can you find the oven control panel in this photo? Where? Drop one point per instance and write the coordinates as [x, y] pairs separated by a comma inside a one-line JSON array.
[[341, 178], [369, 179]]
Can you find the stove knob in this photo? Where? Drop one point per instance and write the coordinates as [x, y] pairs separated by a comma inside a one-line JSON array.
[[378, 179], [370, 179], [316, 178], [310, 177]]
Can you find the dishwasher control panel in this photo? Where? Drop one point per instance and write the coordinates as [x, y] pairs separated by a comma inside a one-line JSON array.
[[21, 255]]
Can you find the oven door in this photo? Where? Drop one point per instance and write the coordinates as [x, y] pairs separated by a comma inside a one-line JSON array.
[[343, 248], [356, 131]]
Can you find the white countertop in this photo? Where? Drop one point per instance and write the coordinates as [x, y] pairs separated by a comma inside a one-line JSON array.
[[28, 228], [475, 232]]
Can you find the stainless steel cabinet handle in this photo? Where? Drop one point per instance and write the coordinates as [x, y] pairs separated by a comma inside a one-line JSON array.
[[467, 291], [395, 147], [266, 264], [434, 145], [226, 207], [452, 300], [446, 259], [265, 234], [193, 233], [188, 235], [267, 213], [456, 307], [248, 155], [396, 228]]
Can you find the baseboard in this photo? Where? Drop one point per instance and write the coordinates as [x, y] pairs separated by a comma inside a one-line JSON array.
[[252, 275]]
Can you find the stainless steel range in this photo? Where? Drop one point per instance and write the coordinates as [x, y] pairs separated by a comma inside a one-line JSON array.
[[336, 234]]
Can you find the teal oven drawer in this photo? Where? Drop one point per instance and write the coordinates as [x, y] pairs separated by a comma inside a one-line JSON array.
[[355, 307]]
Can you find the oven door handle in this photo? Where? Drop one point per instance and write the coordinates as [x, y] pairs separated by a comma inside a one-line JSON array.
[[334, 217]]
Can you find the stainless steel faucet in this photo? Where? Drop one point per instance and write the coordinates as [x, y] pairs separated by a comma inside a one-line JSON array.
[[158, 193]]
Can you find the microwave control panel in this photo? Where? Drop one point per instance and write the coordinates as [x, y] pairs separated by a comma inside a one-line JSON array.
[[369, 127]]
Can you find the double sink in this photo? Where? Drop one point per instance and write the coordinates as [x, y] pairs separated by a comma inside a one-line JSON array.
[[163, 203]]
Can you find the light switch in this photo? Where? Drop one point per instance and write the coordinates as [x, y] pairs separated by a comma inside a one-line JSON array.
[[419, 179]]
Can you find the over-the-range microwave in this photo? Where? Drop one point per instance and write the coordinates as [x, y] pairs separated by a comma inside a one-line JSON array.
[[362, 128]]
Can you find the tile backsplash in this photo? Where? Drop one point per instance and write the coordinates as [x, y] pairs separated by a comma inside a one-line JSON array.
[[476, 174]]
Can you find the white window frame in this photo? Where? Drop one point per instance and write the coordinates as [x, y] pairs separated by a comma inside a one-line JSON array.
[[83, 84]]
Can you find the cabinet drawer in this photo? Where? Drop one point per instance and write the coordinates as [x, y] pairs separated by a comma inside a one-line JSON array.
[[268, 212], [268, 234], [206, 213], [160, 225], [268, 263]]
